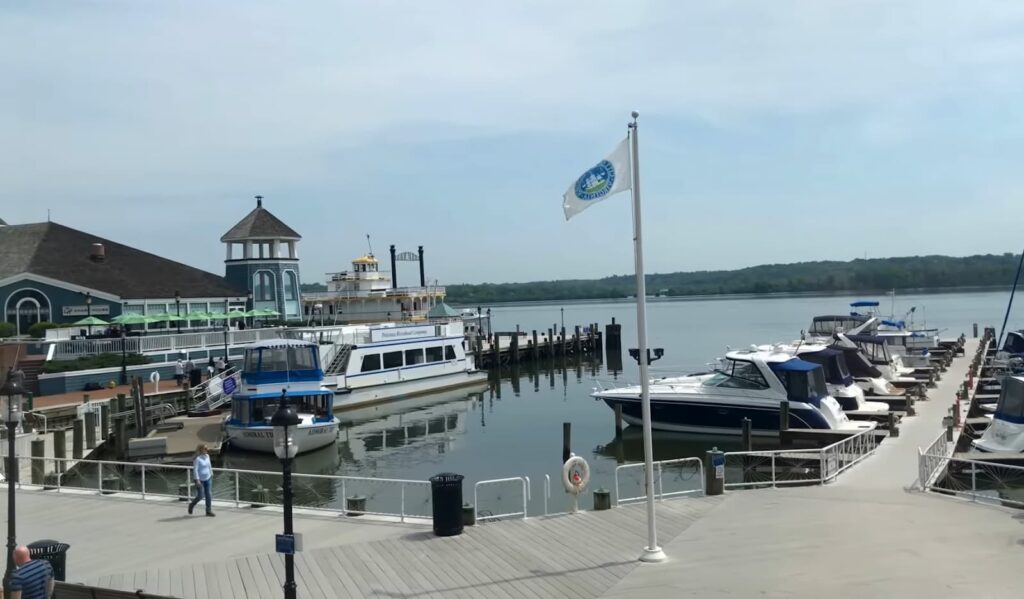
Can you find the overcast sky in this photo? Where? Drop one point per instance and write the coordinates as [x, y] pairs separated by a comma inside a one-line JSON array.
[[770, 131]]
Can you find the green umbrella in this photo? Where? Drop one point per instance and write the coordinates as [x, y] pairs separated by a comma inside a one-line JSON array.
[[166, 317], [267, 312], [218, 316], [197, 315], [250, 313], [92, 321], [132, 318], [237, 314]]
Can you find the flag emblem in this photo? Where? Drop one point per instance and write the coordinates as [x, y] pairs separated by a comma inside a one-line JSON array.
[[596, 182]]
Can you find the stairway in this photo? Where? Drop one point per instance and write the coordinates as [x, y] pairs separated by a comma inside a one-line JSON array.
[[32, 366], [340, 360]]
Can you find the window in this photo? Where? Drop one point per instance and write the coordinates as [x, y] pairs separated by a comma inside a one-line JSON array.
[[435, 354], [413, 356], [291, 286], [1011, 400], [301, 358], [252, 361], [743, 375], [393, 359], [370, 363], [263, 286], [449, 352]]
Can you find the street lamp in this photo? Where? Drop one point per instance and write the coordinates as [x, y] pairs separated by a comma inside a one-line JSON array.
[[177, 309], [88, 308], [124, 358], [284, 422], [227, 363], [11, 394], [562, 310], [249, 307]]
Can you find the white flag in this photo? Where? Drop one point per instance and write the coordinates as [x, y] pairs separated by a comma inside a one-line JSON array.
[[607, 178]]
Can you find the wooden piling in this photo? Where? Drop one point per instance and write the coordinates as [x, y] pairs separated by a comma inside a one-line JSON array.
[[38, 466], [535, 354], [104, 421], [561, 342], [613, 337], [60, 449], [748, 436], [551, 343], [894, 430], [618, 421], [496, 351], [119, 402], [566, 438], [513, 349], [90, 430], [121, 435], [576, 341], [783, 418], [77, 439]]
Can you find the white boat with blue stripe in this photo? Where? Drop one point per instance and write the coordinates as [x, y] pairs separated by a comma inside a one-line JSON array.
[[747, 384], [272, 368], [1006, 433]]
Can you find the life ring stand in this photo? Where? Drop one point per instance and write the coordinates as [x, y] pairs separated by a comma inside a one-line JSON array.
[[575, 474]]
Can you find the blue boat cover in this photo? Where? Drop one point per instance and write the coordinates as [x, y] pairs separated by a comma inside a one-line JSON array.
[[795, 365], [863, 304], [894, 323], [873, 339]]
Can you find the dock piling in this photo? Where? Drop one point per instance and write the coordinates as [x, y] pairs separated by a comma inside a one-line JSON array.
[[576, 341], [618, 421], [104, 421], [783, 418], [714, 481], [747, 440], [38, 449], [60, 449], [894, 429], [566, 438], [90, 430], [77, 430], [121, 435], [613, 337]]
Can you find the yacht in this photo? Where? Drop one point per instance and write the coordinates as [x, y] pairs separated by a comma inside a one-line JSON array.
[[747, 384], [1006, 433], [270, 368], [867, 376], [840, 383]]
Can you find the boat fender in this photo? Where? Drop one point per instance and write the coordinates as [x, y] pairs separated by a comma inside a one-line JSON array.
[[575, 474]]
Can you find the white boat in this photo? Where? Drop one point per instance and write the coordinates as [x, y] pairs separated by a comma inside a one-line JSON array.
[[748, 384], [1006, 432], [272, 368], [840, 383]]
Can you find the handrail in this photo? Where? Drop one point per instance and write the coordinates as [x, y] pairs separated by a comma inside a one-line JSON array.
[[526, 497], [987, 469], [660, 491]]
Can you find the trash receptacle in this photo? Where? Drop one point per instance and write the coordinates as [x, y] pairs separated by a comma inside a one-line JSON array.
[[54, 552], [195, 377], [446, 497]]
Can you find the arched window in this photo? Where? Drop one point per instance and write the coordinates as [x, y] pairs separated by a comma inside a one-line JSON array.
[[263, 286], [26, 307], [291, 285]]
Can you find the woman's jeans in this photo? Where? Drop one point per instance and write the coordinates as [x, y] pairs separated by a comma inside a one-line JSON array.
[[204, 491]]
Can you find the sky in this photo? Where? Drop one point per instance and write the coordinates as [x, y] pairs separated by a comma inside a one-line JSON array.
[[769, 132]]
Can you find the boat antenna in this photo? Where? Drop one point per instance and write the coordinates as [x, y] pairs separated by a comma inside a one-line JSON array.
[[369, 244]]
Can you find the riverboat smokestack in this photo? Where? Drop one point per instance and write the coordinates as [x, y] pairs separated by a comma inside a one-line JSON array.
[[423, 278], [394, 269]]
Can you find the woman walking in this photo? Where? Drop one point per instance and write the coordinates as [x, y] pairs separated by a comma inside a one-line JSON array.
[[203, 473]]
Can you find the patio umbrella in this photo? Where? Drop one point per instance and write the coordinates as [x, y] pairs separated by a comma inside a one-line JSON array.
[[92, 321], [267, 312], [218, 316], [197, 315], [132, 318], [236, 314], [166, 317]]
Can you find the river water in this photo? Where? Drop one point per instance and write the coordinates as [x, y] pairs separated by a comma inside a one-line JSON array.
[[512, 426]]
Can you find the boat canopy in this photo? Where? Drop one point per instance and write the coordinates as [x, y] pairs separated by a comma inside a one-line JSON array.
[[859, 366], [281, 361], [804, 381], [834, 363], [899, 324], [831, 323], [1014, 342], [873, 346], [1011, 401], [259, 408], [864, 304]]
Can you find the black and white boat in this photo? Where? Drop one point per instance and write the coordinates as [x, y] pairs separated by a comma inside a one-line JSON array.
[[1006, 433], [747, 384]]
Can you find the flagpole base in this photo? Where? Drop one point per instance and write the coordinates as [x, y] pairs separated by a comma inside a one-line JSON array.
[[653, 556]]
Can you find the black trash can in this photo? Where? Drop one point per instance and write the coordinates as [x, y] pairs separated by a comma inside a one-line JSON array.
[[195, 377], [54, 552], [446, 497]]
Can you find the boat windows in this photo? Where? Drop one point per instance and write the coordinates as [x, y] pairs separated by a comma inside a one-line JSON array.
[[435, 354], [737, 374], [393, 359], [413, 356], [803, 385], [1011, 400], [449, 352], [252, 361], [371, 362], [280, 359]]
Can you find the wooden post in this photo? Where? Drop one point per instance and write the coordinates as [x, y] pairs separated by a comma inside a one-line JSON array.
[[514, 349], [140, 407], [618, 421], [90, 430], [60, 449], [478, 351], [783, 419], [748, 436], [566, 438], [38, 465], [576, 340], [121, 435], [119, 403], [894, 430], [561, 340], [536, 350], [496, 350], [551, 343], [104, 421], [77, 439]]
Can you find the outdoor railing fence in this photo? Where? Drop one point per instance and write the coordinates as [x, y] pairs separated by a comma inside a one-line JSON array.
[[685, 477], [932, 460], [983, 482]]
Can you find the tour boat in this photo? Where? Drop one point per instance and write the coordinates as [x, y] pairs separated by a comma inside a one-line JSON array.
[[1006, 432], [840, 383], [270, 368], [747, 384]]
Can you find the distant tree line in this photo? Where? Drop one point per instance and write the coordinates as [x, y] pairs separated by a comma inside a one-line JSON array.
[[915, 272]]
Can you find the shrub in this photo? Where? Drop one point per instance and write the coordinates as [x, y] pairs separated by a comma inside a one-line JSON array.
[[92, 362], [7, 329], [38, 330]]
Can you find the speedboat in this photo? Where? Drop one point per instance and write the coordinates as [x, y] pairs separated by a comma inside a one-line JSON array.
[[271, 368], [1006, 432], [747, 384], [864, 373], [840, 383], [876, 349]]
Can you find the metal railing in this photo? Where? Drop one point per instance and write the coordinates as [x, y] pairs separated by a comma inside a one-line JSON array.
[[390, 497], [522, 480], [206, 394], [797, 466], [932, 460], [72, 348], [685, 470], [980, 481]]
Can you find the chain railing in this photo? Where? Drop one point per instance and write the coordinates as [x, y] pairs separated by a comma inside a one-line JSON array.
[[686, 477], [980, 481], [497, 497]]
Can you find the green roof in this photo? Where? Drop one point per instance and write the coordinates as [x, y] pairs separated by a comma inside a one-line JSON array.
[[442, 310]]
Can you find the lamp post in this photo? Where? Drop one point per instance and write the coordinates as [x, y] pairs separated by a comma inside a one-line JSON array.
[[562, 310], [249, 307], [284, 422], [227, 363], [177, 309], [88, 308], [124, 358], [11, 414]]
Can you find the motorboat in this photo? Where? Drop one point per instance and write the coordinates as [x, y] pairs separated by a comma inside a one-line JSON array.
[[747, 384], [840, 383], [877, 351], [273, 368], [1006, 432], [865, 374]]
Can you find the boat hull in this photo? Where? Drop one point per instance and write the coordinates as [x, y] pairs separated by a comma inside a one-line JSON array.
[[346, 399], [261, 438], [716, 418]]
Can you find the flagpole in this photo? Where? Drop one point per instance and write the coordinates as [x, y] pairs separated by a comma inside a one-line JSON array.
[[652, 552]]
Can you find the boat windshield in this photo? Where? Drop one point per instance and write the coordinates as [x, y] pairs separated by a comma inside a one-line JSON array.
[[858, 365], [737, 374], [874, 348], [260, 411], [1014, 343], [803, 381], [834, 363], [827, 325], [1011, 401]]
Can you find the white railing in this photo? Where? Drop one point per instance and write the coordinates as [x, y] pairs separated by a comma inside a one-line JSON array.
[[403, 499], [798, 466], [686, 471], [929, 462], [980, 481], [206, 395], [70, 349], [522, 480]]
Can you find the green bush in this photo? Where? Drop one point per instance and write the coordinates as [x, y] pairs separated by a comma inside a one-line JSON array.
[[7, 329], [38, 330], [91, 362]]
